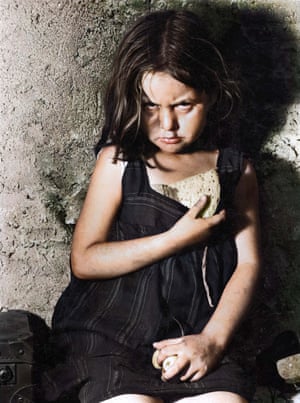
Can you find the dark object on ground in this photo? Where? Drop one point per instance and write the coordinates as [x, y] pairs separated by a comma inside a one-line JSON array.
[[23, 353]]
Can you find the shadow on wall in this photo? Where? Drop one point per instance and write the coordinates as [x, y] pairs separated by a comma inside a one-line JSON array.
[[263, 53]]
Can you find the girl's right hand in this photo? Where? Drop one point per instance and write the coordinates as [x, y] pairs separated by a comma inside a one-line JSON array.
[[191, 228]]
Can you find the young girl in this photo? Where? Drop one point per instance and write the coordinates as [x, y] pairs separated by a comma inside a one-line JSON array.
[[165, 252]]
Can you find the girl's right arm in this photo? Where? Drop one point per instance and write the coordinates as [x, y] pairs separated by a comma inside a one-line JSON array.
[[93, 257]]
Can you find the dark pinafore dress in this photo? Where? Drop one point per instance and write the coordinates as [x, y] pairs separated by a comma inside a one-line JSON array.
[[103, 330]]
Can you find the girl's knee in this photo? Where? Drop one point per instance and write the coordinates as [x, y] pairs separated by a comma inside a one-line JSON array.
[[132, 398], [214, 397]]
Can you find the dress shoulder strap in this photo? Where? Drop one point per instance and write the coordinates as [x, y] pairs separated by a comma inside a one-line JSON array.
[[133, 177], [230, 168], [230, 160]]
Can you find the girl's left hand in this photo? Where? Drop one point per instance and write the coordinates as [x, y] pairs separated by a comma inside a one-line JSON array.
[[196, 356]]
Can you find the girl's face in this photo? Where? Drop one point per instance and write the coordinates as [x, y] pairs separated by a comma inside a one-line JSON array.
[[173, 114]]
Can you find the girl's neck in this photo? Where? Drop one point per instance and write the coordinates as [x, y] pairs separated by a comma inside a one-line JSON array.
[[169, 168]]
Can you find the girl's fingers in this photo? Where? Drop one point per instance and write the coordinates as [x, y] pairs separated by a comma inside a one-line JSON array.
[[198, 375], [193, 374], [181, 357], [198, 207], [165, 343], [217, 218], [174, 368], [167, 352], [164, 350]]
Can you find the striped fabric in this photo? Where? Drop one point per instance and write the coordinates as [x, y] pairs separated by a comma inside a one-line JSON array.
[[103, 330]]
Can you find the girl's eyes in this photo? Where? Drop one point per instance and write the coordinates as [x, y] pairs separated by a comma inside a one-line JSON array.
[[150, 106], [183, 106]]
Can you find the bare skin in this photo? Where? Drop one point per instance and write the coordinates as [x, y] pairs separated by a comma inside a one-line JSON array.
[[133, 399], [174, 116], [214, 397]]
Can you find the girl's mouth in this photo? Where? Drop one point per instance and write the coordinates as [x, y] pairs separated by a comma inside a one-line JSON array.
[[170, 140]]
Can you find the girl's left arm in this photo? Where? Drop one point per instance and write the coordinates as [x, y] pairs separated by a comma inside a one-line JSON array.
[[238, 294], [200, 353]]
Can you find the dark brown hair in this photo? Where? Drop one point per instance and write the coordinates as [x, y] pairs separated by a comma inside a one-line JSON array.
[[174, 42]]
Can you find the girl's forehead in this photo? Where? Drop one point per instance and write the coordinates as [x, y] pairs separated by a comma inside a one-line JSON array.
[[157, 84], [151, 79]]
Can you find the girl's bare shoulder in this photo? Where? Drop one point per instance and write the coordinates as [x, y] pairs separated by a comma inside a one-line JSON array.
[[107, 156], [107, 153], [107, 169]]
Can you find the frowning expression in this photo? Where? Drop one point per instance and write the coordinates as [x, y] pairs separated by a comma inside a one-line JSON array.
[[174, 114]]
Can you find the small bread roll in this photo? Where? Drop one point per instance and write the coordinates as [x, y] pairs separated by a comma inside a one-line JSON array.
[[154, 360], [168, 362]]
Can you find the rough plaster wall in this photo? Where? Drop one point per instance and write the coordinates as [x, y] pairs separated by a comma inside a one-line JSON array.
[[54, 59]]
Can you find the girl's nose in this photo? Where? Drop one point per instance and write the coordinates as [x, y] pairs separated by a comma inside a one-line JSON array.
[[168, 119]]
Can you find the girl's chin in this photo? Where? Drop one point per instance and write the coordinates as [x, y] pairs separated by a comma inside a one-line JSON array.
[[171, 148]]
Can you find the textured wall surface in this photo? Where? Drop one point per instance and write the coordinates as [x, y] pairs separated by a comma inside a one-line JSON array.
[[54, 60]]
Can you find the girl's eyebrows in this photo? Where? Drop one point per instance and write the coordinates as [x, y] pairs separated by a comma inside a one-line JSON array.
[[186, 98]]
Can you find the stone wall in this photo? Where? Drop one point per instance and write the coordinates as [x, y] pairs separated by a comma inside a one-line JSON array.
[[54, 61]]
